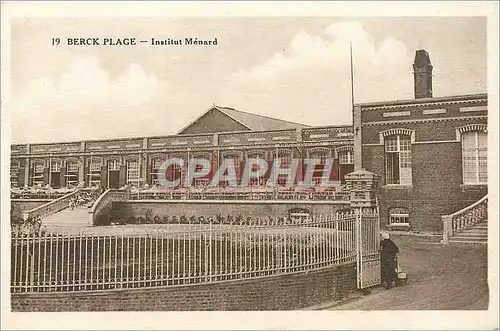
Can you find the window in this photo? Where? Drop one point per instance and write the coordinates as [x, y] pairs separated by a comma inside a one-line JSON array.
[[259, 173], [346, 157], [475, 157], [399, 217], [232, 162], [14, 173], [37, 177], [155, 165], [95, 173], [71, 174], [318, 170], [133, 173], [300, 216], [398, 160]]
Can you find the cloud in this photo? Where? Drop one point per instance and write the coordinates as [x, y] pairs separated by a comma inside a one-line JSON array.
[[331, 50], [83, 99], [312, 75]]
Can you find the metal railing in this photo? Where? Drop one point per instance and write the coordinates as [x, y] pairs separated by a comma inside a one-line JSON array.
[[224, 195], [179, 254], [464, 218], [37, 195]]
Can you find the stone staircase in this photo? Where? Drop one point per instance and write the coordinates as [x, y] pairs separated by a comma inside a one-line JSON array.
[[478, 234], [67, 218]]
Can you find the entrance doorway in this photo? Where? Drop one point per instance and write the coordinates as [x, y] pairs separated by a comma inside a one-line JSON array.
[[113, 174], [55, 179]]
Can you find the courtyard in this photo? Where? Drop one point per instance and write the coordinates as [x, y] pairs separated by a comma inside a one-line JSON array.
[[441, 277]]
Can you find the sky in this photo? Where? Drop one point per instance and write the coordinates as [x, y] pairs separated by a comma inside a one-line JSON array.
[[292, 68]]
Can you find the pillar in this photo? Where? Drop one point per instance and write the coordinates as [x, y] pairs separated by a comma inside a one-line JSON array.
[[81, 170], [362, 185], [27, 172]]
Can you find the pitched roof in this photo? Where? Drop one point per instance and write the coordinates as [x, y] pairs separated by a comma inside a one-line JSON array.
[[253, 122], [259, 122]]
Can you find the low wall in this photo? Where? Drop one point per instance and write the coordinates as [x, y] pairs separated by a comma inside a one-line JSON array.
[[278, 292], [206, 208], [18, 206]]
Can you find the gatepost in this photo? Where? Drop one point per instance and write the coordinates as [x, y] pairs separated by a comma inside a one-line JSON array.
[[362, 185]]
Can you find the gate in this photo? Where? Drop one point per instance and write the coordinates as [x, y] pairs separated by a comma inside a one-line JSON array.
[[367, 247]]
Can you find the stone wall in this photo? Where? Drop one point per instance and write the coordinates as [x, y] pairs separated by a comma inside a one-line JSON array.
[[279, 292], [18, 206], [262, 209]]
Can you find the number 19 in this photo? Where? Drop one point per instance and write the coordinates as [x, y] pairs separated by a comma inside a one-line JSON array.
[[56, 41]]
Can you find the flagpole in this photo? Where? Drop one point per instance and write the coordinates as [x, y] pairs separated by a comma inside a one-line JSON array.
[[352, 82]]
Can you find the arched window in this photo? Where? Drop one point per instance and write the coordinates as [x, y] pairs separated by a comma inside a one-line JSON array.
[[398, 160], [475, 157]]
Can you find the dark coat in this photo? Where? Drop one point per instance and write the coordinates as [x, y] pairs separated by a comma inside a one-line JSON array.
[[388, 251]]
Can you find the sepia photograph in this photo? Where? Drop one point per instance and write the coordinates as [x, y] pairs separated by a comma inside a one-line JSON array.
[[176, 160]]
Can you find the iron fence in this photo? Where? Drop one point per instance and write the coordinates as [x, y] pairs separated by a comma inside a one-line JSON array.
[[179, 254]]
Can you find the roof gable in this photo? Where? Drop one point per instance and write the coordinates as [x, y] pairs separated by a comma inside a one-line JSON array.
[[224, 119]]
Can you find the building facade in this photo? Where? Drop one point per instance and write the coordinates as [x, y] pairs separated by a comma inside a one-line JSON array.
[[220, 133], [431, 153]]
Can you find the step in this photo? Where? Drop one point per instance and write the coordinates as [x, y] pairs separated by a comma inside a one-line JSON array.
[[480, 226], [474, 231], [469, 238], [467, 242]]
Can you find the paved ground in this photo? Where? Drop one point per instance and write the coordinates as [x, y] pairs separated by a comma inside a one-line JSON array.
[[451, 277]]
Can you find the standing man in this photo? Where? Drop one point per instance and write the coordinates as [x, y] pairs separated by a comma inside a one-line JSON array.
[[388, 251]]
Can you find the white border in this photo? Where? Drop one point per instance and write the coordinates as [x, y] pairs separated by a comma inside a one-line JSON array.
[[257, 320]]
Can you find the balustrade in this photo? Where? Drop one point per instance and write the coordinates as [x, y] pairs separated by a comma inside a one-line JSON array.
[[464, 219]]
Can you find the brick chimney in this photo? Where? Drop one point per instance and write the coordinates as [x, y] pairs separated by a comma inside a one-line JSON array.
[[422, 74]]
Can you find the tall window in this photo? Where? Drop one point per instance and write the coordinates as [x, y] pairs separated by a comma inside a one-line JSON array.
[[155, 165], [398, 160], [71, 174], [133, 172], [318, 170], [37, 174], [259, 181], [233, 162], [95, 173], [474, 157], [286, 162]]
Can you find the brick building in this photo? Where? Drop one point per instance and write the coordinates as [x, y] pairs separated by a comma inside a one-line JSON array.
[[431, 153], [219, 133]]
